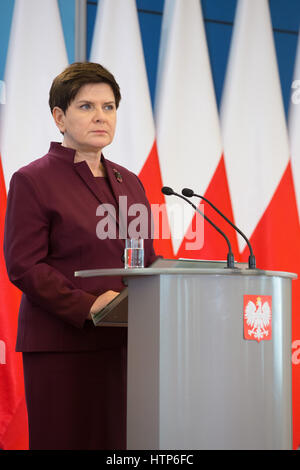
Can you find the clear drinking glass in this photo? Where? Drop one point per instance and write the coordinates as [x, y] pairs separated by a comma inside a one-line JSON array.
[[134, 253]]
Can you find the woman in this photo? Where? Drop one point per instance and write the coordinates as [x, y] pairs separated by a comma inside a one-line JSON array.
[[75, 373]]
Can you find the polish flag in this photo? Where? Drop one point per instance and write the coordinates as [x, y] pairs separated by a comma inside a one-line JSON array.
[[36, 54], [117, 46], [257, 156], [188, 131], [294, 126], [13, 415]]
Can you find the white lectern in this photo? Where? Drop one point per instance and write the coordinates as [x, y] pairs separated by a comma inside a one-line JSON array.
[[194, 381]]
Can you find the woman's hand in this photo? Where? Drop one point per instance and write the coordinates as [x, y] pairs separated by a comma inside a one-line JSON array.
[[101, 302]]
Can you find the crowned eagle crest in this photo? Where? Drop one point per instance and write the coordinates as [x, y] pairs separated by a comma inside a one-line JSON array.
[[258, 317]]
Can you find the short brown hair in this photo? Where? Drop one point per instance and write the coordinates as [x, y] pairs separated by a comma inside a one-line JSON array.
[[68, 83]]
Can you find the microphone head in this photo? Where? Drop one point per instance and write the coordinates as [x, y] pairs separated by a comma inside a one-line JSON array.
[[167, 191], [187, 192]]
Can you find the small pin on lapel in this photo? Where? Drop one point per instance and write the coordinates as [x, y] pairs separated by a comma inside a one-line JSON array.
[[118, 175]]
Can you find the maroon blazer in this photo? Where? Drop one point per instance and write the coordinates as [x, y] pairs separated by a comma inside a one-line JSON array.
[[50, 232]]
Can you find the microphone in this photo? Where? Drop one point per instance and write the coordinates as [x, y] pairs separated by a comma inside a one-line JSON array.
[[230, 258], [251, 261]]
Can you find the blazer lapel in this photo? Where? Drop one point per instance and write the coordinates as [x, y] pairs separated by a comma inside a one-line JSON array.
[[120, 185], [86, 175], [120, 194], [119, 189], [115, 179]]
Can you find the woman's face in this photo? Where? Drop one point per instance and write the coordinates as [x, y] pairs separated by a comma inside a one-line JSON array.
[[90, 120]]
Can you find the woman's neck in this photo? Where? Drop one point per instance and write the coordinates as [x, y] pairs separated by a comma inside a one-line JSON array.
[[92, 158]]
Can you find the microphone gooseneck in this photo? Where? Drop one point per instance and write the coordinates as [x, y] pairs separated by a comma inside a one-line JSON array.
[[251, 261], [230, 258]]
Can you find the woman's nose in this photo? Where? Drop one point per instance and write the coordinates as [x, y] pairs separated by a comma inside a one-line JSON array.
[[99, 115]]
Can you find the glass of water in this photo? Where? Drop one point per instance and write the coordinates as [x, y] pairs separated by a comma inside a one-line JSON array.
[[134, 253]]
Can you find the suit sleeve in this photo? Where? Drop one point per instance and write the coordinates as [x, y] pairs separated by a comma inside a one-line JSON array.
[[26, 246]]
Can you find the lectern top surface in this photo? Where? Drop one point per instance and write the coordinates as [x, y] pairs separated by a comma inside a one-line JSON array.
[[184, 266]]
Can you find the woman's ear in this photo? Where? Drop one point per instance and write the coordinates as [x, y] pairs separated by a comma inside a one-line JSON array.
[[59, 118]]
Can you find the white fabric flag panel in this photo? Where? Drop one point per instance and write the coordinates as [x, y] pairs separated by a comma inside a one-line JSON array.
[[117, 45], [36, 54], [187, 123]]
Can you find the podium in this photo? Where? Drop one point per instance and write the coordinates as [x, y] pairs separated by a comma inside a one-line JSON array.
[[194, 381]]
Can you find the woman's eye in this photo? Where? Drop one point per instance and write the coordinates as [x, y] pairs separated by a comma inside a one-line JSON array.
[[109, 107], [85, 106]]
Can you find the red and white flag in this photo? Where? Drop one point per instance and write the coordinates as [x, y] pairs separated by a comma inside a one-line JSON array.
[[294, 135], [294, 126], [117, 45], [188, 131], [36, 54], [257, 156], [13, 415]]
